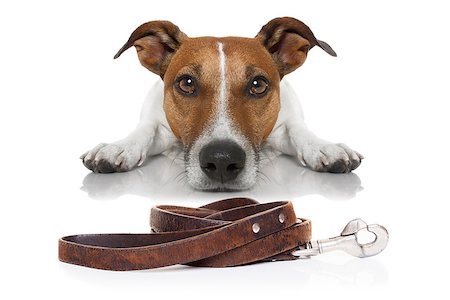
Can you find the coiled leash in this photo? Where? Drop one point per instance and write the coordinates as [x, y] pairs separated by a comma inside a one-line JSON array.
[[225, 233]]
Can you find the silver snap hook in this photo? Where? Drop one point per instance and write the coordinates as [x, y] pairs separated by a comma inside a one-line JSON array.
[[348, 241]]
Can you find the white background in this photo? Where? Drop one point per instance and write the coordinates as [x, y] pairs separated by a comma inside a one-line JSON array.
[[386, 95]]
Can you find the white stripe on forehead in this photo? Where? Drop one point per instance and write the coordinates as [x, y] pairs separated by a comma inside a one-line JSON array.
[[222, 116]]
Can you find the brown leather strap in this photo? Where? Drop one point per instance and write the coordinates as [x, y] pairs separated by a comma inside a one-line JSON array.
[[225, 233]]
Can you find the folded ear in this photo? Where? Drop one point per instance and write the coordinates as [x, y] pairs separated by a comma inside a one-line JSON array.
[[288, 40], [155, 43]]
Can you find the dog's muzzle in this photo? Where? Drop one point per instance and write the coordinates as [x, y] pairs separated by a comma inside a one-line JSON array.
[[222, 160]]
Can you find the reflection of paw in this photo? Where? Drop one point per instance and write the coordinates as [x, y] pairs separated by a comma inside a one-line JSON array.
[[111, 186], [333, 158], [331, 186], [115, 157], [142, 181]]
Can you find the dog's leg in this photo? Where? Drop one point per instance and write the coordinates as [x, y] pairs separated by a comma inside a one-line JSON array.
[[291, 136], [318, 154], [125, 154], [152, 136]]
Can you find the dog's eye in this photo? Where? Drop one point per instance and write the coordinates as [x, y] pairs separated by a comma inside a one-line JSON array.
[[258, 86], [186, 85]]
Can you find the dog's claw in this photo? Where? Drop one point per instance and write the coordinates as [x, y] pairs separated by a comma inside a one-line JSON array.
[[82, 156], [355, 156], [119, 160], [302, 161], [142, 159], [347, 160], [88, 156], [324, 160], [361, 157]]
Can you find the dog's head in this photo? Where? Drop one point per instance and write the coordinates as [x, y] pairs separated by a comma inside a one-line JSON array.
[[222, 95]]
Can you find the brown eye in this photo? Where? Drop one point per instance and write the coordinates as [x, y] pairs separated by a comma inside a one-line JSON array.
[[187, 85], [258, 86]]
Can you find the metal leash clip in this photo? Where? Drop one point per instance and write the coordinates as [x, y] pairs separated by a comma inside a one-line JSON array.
[[348, 241]]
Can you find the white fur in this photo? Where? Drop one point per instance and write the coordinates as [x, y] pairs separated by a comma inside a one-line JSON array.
[[152, 136], [289, 136], [222, 114]]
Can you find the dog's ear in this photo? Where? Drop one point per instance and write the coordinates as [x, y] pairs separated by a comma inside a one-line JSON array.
[[155, 43], [288, 40]]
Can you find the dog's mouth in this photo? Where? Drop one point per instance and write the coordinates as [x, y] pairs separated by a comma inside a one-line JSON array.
[[221, 165]]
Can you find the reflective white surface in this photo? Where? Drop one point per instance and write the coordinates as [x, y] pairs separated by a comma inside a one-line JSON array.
[[385, 95], [162, 179]]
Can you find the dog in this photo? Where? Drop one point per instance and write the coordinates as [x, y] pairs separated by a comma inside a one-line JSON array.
[[222, 101]]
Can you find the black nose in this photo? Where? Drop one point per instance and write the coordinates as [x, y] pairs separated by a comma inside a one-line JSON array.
[[222, 160]]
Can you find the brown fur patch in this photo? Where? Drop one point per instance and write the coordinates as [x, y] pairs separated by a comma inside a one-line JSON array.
[[255, 117], [245, 58], [188, 116]]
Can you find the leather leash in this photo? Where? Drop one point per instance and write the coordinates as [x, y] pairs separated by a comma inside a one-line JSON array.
[[225, 233]]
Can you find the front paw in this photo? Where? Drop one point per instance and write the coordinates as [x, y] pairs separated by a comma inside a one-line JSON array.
[[333, 158], [115, 157]]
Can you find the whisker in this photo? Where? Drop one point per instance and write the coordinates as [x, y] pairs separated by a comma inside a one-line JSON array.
[[176, 157], [182, 181], [179, 176], [171, 162], [261, 178], [261, 173], [258, 182]]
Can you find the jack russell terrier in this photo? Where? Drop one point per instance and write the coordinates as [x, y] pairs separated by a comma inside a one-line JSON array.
[[222, 101]]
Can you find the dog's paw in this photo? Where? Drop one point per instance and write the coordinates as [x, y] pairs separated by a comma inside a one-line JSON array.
[[115, 157], [333, 158]]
